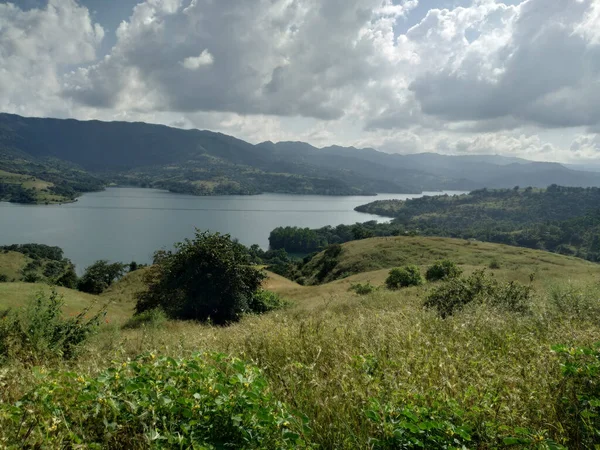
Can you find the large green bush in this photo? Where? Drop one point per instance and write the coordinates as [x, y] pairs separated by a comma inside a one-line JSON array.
[[443, 270], [455, 293], [404, 277], [208, 278], [207, 401]]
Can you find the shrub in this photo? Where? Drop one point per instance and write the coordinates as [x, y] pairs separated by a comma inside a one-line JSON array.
[[404, 277], [264, 301], [579, 395], [153, 318], [40, 331], [570, 301], [412, 427], [206, 278], [362, 288], [211, 401], [494, 264], [3, 278], [443, 270], [479, 288], [31, 277]]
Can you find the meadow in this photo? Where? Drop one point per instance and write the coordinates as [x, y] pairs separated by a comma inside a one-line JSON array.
[[340, 370]]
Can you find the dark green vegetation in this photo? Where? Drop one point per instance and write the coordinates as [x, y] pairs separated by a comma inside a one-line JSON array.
[[206, 279], [52, 160], [101, 275], [559, 219], [459, 292], [513, 368], [33, 263], [406, 276], [445, 270], [305, 240]]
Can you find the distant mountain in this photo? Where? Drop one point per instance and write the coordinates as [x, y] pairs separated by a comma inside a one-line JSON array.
[[208, 163]]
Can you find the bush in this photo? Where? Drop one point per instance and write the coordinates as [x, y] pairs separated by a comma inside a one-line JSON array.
[[494, 264], [362, 288], [265, 301], [404, 277], [31, 277], [211, 401], [413, 427], [443, 270], [39, 331], [3, 278], [209, 278], [579, 395], [153, 318], [479, 288]]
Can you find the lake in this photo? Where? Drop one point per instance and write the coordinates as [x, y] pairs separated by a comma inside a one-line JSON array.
[[129, 224]]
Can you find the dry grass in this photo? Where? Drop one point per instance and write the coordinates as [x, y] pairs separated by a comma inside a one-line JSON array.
[[16, 295]]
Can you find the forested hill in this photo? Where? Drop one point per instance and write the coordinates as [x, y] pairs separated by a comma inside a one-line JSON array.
[[559, 219], [93, 153]]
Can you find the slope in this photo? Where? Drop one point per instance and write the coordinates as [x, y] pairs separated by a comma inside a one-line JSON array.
[[372, 258]]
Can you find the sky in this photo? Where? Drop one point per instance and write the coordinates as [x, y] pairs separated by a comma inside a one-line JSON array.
[[509, 77]]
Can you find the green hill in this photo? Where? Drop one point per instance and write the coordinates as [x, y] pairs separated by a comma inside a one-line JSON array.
[[367, 255], [565, 220]]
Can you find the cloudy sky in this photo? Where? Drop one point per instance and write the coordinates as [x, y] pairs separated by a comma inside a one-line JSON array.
[[511, 77]]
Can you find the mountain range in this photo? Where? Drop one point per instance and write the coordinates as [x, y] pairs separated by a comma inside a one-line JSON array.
[[71, 156]]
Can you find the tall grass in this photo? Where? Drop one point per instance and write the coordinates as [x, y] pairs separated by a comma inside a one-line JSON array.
[[493, 370]]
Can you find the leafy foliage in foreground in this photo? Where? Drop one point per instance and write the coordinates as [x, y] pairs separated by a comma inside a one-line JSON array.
[[456, 293], [208, 278], [412, 427], [207, 401], [580, 395]]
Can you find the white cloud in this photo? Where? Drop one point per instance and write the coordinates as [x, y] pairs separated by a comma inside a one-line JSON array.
[[489, 77], [195, 62], [34, 46]]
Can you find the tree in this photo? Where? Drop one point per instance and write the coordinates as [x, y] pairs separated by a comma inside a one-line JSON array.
[[68, 279], [99, 276], [208, 278]]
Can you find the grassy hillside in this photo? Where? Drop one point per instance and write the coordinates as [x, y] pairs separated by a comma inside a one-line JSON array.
[[17, 295], [383, 253], [12, 265], [356, 370]]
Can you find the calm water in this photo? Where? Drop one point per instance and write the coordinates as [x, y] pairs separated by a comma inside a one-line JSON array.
[[125, 224]]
